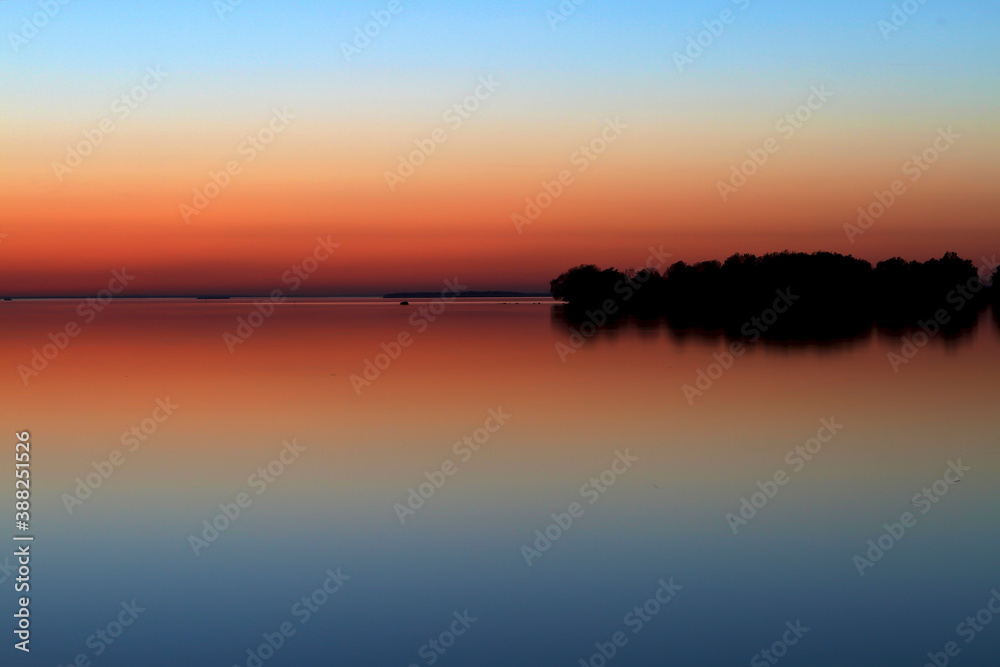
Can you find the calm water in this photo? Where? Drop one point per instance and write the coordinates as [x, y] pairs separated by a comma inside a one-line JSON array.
[[337, 500]]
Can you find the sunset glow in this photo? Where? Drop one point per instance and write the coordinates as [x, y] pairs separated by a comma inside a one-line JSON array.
[[515, 101]]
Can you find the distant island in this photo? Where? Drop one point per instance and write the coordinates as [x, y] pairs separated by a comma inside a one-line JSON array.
[[468, 295], [787, 295]]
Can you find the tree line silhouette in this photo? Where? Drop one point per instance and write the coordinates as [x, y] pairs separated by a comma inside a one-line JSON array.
[[822, 295]]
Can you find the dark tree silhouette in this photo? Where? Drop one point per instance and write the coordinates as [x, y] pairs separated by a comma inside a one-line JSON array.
[[821, 295]]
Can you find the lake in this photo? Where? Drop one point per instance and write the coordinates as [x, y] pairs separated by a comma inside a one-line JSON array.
[[358, 482]]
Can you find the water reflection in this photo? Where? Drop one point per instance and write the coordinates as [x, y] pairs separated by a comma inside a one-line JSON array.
[[621, 391], [590, 325]]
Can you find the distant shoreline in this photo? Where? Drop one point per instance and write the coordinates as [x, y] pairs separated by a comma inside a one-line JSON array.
[[490, 294], [373, 297]]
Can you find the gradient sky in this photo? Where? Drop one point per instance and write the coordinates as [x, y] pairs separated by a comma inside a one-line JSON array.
[[325, 174]]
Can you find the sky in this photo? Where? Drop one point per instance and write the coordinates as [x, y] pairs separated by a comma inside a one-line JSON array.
[[205, 147]]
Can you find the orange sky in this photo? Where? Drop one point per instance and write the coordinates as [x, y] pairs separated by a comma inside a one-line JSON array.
[[322, 170]]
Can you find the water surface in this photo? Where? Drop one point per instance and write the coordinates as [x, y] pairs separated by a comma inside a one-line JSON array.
[[619, 396]]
